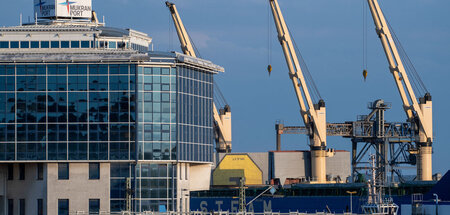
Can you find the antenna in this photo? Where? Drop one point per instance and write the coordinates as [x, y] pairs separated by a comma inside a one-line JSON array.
[[20, 19], [35, 18], [104, 20]]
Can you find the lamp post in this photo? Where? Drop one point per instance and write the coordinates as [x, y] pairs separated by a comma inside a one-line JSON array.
[[437, 202], [351, 200]]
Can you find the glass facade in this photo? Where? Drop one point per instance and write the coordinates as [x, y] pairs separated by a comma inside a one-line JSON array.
[[99, 112], [67, 112], [157, 107], [195, 98], [156, 186]]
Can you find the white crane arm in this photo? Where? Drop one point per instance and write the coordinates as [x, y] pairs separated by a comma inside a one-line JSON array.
[[420, 113], [398, 70], [185, 41], [309, 114]]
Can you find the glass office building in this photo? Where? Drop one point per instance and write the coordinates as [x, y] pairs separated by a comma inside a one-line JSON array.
[[93, 101]]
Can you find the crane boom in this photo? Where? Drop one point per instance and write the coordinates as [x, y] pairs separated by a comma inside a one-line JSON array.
[[185, 41], [222, 118], [313, 115], [419, 112]]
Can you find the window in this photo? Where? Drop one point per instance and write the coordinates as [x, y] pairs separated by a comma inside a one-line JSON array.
[[24, 44], [85, 44], [94, 171], [63, 207], [10, 171], [45, 44], [112, 45], [65, 44], [4, 45], [14, 44], [40, 171], [34, 44], [63, 171], [10, 206], [55, 44], [94, 206], [21, 171], [40, 207], [75, 44], [22, 207]]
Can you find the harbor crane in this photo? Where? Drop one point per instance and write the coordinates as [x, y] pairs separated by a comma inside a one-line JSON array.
[[222, 117], [418, 111], [313, 115]]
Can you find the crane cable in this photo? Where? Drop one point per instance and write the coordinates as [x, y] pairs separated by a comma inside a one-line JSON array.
[[311, 85], [364, 41], [171, 23], [197, 52], [315, 94], [417, 83], [269, 41], [219, 99]]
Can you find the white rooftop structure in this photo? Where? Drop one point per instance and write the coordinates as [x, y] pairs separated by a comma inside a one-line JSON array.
[[64, 24]]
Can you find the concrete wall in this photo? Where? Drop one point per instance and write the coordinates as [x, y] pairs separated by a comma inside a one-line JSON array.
[[29, 189], [199, 177], [191, 177], [183, 194], [78, 189]]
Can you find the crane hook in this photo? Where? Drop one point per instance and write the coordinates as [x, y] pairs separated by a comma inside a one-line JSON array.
[[365, 74], [269, 69]]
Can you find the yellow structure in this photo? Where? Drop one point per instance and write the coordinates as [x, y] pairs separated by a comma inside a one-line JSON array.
[[234, 166]]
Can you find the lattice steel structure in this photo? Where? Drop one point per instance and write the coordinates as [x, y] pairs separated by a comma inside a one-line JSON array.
[[391, 141]]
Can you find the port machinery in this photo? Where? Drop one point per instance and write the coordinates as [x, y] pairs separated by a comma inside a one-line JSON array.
[[395, 143], [391, 141], [418, 111], [313, 113]]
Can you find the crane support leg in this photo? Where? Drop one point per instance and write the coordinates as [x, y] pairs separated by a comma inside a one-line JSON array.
[[318, 164], [424, 157], [424, 163]]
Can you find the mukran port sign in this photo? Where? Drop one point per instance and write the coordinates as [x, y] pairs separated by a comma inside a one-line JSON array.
[[63, 8]]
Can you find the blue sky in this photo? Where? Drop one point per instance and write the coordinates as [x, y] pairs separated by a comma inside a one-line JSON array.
[[234, 34]]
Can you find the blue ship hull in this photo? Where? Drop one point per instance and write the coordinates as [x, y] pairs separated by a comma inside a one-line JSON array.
[[304, 204], [310, 204]]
